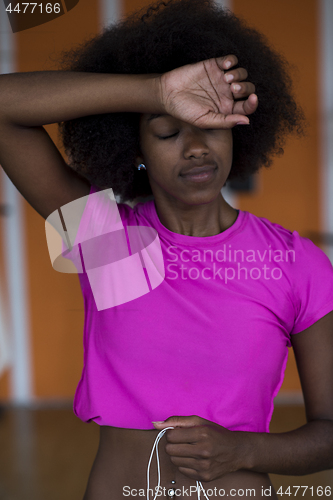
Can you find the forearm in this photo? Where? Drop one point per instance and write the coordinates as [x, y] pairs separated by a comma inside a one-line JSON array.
[[305, 450], [43, 97]]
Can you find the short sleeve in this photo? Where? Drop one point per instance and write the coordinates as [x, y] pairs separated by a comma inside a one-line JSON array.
[[312, 283], [83, 224], [93, 218], [101, 213], [120, 259]]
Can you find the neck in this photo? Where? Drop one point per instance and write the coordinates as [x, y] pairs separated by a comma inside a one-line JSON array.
[[202, 220]]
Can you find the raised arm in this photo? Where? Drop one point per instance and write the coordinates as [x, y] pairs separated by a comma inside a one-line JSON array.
[[30, 100]]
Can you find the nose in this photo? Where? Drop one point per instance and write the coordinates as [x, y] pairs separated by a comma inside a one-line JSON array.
[[195, 143]]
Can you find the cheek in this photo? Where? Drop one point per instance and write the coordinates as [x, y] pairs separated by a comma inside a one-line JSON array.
[[160, 170], [161, 157]]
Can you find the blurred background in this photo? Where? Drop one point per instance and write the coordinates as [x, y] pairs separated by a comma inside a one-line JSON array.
[[45, 451]]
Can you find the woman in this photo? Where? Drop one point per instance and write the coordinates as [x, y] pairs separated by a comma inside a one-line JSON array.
[[148, 108]]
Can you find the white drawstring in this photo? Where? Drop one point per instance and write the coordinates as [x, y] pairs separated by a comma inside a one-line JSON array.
[[155, 447], [199, 486]]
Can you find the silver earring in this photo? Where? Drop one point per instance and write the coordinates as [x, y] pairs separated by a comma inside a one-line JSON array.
[[142, 166]]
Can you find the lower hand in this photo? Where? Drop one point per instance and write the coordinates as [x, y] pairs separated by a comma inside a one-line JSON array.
[[201, 449], [200, 94]]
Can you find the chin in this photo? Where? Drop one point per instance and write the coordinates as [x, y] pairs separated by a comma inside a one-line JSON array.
[[200, 198]]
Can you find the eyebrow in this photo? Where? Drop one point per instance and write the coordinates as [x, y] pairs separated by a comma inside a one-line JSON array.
[[152, 117]]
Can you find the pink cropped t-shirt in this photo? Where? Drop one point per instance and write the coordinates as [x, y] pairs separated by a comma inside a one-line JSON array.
[[191, 325]]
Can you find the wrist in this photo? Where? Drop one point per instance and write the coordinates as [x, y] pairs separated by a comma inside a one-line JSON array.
[[157, 93], [146, 94], [246, 449]]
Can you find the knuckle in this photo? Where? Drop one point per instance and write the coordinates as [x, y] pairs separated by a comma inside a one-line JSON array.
[[240, 75], [205, 453], [195, 418], [204, 465], [169, 436], [204, 434]]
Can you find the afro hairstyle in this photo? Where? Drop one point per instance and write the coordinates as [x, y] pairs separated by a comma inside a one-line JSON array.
[[159, 38]]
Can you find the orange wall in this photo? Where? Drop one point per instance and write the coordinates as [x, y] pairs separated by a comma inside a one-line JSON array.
[[288, 193], [55, 298], [55, 301]]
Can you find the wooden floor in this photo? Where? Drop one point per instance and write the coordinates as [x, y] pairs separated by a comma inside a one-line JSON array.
[[46, 454]]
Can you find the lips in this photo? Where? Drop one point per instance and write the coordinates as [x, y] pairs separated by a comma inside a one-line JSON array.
[[205, 174], [198, 170]]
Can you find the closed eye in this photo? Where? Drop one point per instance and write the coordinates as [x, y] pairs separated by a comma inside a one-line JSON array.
[[168, 137]]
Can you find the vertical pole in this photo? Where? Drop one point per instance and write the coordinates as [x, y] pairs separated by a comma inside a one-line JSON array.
[[326, 132], [13, 238], [111, 11]]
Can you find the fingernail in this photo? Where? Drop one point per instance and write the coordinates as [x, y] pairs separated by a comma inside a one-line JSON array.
[[242, 123], [159, 422], [236, 87], [229, 78], [227, 64]]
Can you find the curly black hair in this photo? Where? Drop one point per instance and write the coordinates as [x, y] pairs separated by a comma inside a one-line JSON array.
[[164, 36]]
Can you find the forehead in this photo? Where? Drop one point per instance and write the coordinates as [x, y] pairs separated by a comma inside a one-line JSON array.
[[150, 117]]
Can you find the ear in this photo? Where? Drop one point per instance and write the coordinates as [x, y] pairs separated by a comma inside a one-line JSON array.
[[139, 159]]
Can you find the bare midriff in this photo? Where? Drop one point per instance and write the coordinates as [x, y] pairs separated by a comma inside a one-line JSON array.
[[120, 471]]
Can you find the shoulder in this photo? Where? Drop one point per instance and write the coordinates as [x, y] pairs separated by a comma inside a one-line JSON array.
[[269, 229], [305, 250], [306, 267]]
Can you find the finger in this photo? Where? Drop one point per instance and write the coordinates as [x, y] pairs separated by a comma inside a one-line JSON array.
[[177, 421], [190, 463], [226, 62], [218, 120], [191, 473], [212, 120], [182, 450], [188, 435], [236, 119], [235, 75], [161, 425], [246, 107], [241, 90]]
